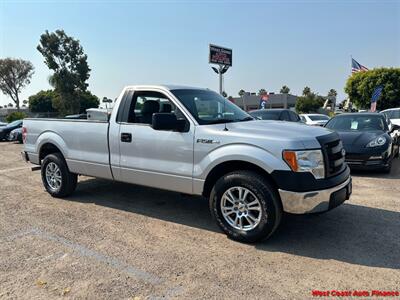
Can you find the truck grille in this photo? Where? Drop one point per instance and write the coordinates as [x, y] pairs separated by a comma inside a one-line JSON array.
[[332, 150]]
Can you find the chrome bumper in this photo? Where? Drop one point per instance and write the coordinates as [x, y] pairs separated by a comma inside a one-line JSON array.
[[311, 202]]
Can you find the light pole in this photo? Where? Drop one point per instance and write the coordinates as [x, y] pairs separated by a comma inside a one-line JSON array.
[[220, 71]]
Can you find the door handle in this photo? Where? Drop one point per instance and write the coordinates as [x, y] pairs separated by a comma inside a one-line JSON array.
[[126, 137]]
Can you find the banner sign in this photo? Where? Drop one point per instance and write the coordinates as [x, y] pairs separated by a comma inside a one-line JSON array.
[[220, 56]]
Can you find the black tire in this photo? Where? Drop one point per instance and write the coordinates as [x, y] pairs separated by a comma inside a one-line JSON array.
[[271, 207], [388, 168], [68, 179]]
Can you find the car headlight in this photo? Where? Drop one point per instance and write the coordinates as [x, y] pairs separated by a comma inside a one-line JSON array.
[[306, 161], [379, 141]]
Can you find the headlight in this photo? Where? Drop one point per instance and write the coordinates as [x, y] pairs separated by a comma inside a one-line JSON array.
[[306, 161], [379, 141]]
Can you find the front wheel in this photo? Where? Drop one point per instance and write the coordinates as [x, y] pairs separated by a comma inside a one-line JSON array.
[[57, 179], [245, 206]]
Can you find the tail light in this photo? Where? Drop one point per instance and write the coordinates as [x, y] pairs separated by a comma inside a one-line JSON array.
[[24, 134]]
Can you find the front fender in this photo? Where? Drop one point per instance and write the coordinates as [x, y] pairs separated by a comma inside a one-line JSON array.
[[237, 152]]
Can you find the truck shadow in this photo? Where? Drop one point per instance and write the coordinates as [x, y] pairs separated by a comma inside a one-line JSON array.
[[351, 233]]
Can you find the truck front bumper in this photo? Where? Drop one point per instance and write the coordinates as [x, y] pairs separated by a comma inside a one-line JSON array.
[[315, 201]]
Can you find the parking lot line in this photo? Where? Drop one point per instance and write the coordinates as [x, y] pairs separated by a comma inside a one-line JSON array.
[[14, 169], [84, 251]]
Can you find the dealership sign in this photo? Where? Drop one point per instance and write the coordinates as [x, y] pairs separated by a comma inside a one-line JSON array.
[[220, 55]]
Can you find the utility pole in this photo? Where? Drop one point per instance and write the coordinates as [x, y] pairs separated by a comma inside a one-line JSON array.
[[221, 71]]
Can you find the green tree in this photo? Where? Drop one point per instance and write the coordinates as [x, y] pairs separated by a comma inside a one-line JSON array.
[[309, 103], [15, 74], [241, 92], [285, 90], [64, 55], [361, 85], [10, 105], [88, 100], [262, 92], [306, 91], [332, 93], [43, 101], [17, 115]]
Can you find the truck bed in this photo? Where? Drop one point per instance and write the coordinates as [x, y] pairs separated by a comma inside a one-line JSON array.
[[84, 143]]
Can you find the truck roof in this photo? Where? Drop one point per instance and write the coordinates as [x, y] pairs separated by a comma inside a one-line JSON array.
[[165, 87]]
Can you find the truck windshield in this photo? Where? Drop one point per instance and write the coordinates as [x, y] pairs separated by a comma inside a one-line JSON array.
[[208, 107]]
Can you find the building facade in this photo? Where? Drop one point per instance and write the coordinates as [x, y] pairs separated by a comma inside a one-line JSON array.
[[251, 102]]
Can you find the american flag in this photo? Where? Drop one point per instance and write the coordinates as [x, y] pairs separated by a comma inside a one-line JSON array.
[[357, 67], [375, 96]]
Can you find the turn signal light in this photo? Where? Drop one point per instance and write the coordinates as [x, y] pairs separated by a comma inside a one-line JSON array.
[[291, 159]]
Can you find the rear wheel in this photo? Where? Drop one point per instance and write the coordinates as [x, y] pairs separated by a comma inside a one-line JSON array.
[[245, 206], [57, 179]]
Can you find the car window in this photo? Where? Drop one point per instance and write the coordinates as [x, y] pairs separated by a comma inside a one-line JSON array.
[[294, 117], [267, 114], [208, 107], [145, 103], [14, 123], [319, 118], [393, 114], [357, 123], [303, 118], [285, 116]]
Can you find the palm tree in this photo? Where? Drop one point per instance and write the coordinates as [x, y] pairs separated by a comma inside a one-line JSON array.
[[262, 92], [306, 91], [241, 92], [332, 93], [285, 90]]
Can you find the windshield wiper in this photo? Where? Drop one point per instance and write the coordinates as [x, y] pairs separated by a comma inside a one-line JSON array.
[[220, 121], [246, 119]]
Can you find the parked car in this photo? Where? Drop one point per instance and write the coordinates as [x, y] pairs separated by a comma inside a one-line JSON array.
[[276, 114], [194, 141], [5, 130], [393, 114], [16, 135], [3, 124], [314, 119], [367, 140]]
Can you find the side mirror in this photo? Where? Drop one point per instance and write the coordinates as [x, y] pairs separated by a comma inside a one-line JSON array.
[[167, 121], [395, 127]]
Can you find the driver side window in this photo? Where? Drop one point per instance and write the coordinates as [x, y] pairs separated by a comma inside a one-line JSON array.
[[146, 103]]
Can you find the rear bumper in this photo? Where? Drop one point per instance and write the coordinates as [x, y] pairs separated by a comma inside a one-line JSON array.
[[316, 201], [30, 157]]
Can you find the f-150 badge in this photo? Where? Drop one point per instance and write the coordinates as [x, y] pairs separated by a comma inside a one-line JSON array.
[[207, 141]]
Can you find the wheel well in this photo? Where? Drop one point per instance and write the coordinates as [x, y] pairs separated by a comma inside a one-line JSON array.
[[226, 167], [47, 149]]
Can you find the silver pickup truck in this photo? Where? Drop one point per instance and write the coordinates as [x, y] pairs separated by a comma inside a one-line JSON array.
[[193, 141]]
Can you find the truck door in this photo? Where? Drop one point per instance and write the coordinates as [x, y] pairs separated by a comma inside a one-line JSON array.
[[156, 158]]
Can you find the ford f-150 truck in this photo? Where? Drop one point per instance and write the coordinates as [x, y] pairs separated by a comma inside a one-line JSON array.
[[194, 141]]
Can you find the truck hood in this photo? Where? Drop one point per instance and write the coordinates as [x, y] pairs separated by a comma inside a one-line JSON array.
[[273, 136], [278, 130]]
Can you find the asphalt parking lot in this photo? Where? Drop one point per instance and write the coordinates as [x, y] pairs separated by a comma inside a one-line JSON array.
[[115, 240]]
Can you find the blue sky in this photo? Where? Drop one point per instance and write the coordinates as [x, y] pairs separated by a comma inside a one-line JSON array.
[[296, 43]]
